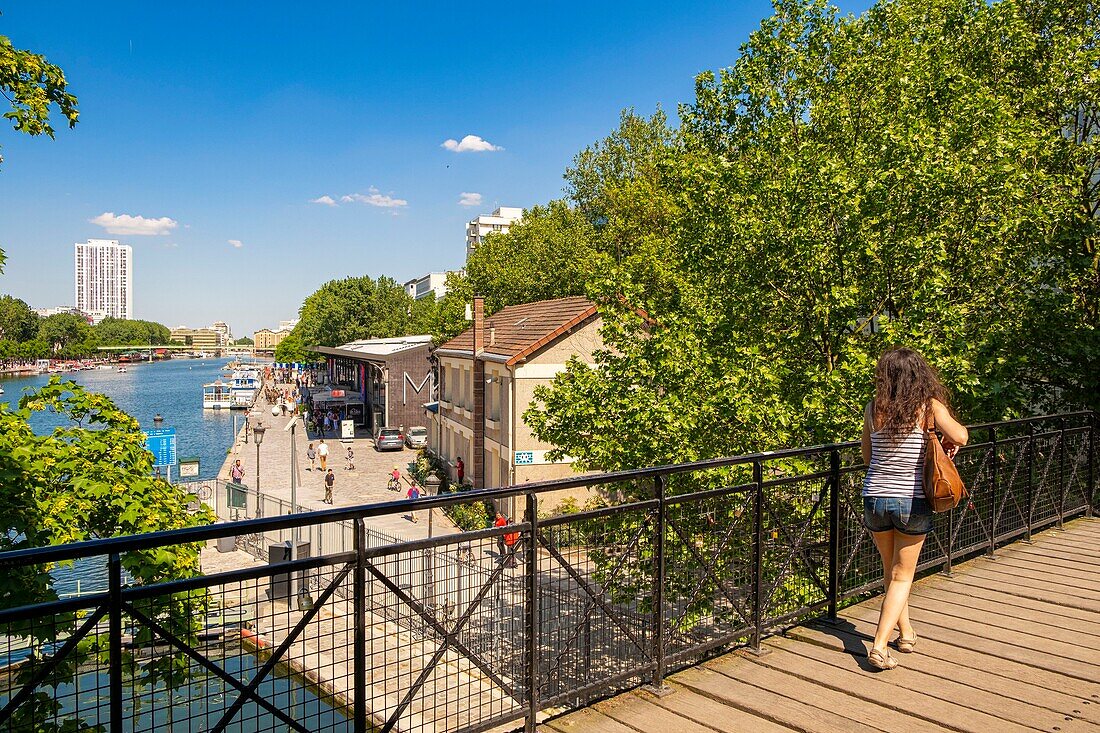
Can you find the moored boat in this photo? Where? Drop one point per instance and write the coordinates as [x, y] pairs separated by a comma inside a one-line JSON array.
[[216, 396]]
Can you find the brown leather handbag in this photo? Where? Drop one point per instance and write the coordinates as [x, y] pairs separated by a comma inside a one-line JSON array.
[[943, 487]]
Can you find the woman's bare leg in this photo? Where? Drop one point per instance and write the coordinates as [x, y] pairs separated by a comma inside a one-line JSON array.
[[906, 552], [884, 541]]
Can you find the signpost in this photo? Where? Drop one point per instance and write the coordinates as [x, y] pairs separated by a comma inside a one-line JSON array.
[[161, 442]]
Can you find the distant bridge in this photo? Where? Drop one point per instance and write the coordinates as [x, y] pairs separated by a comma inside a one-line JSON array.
[[180, 347]]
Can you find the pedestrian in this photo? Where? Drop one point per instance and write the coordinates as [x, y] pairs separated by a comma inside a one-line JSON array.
[[311, 454], [237, 473], [413, 494], [330, 479], [500, 521], [908, 397], [510, 540], [350, 460], [322, 453], [460, 469]]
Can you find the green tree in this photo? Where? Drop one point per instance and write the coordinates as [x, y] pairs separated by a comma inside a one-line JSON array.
[[848, 184], [17, 321], [291, 349], [244, 341], [353, 308], [89, 478], [66, 334], [130, 332]]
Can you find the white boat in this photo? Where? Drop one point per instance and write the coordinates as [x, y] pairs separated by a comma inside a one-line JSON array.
[[216, 396], [122, 370], [243, 388]]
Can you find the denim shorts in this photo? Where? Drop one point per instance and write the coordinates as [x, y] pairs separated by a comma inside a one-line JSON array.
[[907, 515]]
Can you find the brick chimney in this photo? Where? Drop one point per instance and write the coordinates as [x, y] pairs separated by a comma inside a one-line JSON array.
[[478, 457]]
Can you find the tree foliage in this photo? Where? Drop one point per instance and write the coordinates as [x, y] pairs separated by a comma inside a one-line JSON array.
[[32, 85], [913, 175], [136, 332], [17, 321], [244, 341], [91, 477], [353, 308], [66, 334]]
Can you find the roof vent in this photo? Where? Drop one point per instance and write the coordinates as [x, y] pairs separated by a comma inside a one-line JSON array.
[[521, 321], [492, 336]]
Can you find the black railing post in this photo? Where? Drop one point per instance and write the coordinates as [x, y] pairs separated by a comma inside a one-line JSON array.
[[532, 590], [1091, 498], [658, 681], [994, 482], [1061, 469], [359, 592], [834, 532], [114, 639], [1030, 479], [757, 556]]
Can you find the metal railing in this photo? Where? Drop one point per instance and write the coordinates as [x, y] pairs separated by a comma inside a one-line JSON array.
[[466, 632]]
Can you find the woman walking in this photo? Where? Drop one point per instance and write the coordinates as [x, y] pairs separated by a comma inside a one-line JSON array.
[[907, 393]]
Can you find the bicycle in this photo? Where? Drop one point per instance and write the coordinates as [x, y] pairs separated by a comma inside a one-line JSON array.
[[394, 484]]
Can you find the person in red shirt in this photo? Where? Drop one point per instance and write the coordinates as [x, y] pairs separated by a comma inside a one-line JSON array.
[[460, 468], [510, 540], [500, 521]]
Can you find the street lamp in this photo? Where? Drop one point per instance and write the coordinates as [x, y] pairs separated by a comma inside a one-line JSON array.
[[258, 433]]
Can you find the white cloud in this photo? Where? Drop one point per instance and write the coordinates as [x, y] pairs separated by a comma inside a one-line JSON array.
[[470, 144], [325, 200], [170, 245], [469, 199], [374, 198], [134, 225], [236, 243]]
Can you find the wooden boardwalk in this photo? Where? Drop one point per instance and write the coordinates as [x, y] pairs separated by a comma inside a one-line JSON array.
[[1011, 644]]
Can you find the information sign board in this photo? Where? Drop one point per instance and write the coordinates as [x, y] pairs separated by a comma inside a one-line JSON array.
[[161, 442], [524, 457], [347, 430]]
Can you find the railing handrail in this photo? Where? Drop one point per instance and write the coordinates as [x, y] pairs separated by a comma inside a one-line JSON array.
[[203, 533]]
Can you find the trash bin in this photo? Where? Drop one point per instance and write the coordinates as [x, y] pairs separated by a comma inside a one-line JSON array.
[[227, 544], [277, 553]]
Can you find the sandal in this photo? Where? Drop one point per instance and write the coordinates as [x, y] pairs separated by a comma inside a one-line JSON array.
[[906, 646], [881, 660]]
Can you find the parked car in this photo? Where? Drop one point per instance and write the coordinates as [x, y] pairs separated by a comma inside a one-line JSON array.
[[416, 436], [389, 439]]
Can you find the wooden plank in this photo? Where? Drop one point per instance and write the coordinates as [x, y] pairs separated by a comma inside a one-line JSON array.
[[641, 714], [1023, 608], [977, 640], [1067, 545], [1038, 580], [992, 615], [932, 695], [586, 720], [766, 703], [923, 700], [1068, 551], [1043, 565], [837, 699], [983, 672], [722, 718], [1070, 539], [1040, 555], [1038, 594]]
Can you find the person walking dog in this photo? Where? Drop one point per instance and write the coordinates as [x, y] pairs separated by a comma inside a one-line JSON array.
[[907, 391]]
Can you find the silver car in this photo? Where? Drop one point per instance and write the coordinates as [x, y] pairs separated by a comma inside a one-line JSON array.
[[389, 439], [416, 436]]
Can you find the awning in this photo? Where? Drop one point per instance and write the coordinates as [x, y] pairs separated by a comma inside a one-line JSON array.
[[431, 406]]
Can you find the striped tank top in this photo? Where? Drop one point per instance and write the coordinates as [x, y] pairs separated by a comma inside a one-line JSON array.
[[897, 464]]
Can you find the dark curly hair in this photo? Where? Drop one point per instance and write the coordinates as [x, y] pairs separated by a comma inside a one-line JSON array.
[[905, 385]]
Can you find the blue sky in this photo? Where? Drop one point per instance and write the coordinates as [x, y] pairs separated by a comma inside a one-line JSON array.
[[219, 123]]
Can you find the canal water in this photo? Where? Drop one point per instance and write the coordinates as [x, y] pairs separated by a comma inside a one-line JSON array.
[[173, 388]]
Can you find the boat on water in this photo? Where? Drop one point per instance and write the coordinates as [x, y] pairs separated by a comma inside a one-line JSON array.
[[122, 370], [216, 396], [244, 386]]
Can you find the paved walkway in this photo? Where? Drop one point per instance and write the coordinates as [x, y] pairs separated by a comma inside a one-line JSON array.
[[366, 484], [1005, 645]]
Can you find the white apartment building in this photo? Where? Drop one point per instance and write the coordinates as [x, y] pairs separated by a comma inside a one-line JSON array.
[[104, 279], [288, 325], [225, 334], [499, 221], [432, 284]]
